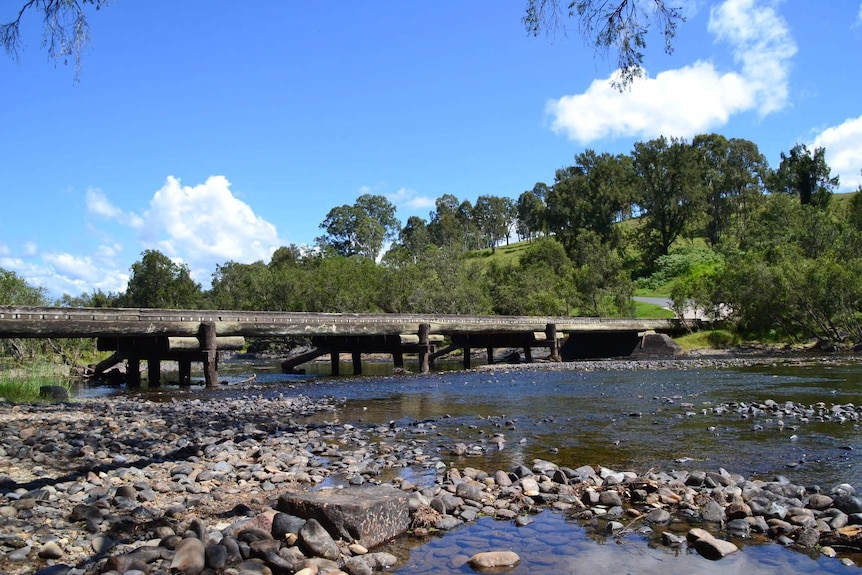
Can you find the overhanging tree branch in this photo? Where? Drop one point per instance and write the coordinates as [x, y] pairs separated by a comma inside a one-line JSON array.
[[65, 31], [611, 25]]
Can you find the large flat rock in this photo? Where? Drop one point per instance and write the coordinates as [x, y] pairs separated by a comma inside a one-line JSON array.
[[367, 515]]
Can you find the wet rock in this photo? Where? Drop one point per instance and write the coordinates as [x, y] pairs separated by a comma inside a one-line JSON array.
[[808, 537], [672, 539], [819, 501], [357, 566], [709, 546], [712, 512], [847, 503], [494, 560], [658, 516]]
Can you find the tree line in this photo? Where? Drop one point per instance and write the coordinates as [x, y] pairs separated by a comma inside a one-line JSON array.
[[768, 250]]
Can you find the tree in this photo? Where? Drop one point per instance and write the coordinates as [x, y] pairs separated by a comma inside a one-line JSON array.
[[157, 282], [360, 229], [66, 31], [732, 172], [242, 287], [593, 195], [854, 210], [669, 192], [805, 175], [415, 237], [530, 210], [492, 215], [14, 290], [619, 26]]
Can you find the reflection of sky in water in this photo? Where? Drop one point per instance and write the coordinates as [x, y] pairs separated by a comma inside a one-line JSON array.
[[553, 545]]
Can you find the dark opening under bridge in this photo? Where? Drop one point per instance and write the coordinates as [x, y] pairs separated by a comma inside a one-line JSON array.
[[198, 335]]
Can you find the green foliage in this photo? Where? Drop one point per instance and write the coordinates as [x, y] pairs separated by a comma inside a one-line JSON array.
[[670, 193], [708, 339], [14, 290], [493, 216], [590, 197], [157, 282], [681, 262], [805, 175], [732, 173], [360, 229]]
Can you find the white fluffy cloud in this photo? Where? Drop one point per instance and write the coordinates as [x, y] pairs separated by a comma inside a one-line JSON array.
[[61, 273], [410, 199], [843, 144], [98, 204], [206, 224], [695, 98]]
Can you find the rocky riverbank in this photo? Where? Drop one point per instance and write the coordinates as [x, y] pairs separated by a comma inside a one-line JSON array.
[[130, 485]]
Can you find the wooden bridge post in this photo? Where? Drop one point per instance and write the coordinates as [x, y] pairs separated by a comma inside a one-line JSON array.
[[335, 362], [551, 333], [133, 372], [209, 352], [357, 363], [424, 347], [490, 353], [528, 354], [154, 371], [185, 375]]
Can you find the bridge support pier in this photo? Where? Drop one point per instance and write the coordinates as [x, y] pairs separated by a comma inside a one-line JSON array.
[[154, 372], [357, 363], [551, 335], [185, 372], [133, 372], [209, 350], [424, 347]]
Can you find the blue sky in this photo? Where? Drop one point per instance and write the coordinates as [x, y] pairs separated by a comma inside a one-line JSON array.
[[216, 130]]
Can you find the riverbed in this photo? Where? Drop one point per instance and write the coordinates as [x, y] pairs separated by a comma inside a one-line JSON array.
[[676, 415]]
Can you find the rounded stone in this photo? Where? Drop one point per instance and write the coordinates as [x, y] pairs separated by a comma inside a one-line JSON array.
[[494, 559], [50, 550]]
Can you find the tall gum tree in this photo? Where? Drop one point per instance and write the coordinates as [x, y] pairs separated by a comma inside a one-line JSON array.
[[669, 192]]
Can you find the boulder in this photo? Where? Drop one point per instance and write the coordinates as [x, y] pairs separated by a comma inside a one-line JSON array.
[[365, 515]]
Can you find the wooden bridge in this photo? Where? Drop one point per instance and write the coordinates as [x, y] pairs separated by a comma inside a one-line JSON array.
[[198, 335]]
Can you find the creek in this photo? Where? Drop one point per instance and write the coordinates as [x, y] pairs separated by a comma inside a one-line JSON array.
[[621, 415]]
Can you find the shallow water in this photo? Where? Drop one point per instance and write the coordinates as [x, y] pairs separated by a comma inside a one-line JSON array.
[[636, 419]]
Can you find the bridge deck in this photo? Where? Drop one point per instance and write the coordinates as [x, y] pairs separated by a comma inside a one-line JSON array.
[[43, 322]]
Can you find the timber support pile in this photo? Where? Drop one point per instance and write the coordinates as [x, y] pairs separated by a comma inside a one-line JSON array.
[[154, 349], [422, 343]]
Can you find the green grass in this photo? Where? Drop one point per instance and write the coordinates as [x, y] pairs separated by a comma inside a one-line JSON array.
[[503, 254], [22, 385], [652, 311], [708, 339]]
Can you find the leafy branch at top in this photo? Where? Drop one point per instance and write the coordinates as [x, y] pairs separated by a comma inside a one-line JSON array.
[[612, 25]]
